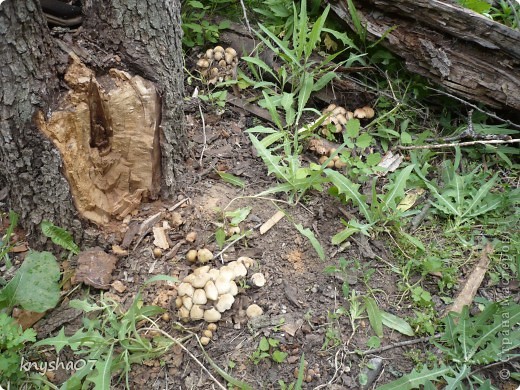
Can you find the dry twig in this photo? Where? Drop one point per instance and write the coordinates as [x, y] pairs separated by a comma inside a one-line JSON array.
[[453, 145]]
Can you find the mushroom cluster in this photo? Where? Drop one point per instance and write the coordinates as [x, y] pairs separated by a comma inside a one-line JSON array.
[[218, 64], [339, 116], [208, 292]]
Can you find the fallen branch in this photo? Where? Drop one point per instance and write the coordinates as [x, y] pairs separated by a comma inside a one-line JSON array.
[[453, 145]]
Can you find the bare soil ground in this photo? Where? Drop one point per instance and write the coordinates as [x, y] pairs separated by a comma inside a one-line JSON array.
[[299, 300]]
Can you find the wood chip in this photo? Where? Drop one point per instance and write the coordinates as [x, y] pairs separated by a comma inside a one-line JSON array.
[[271, 222], [160, 239], [95, 268], [465, 297]]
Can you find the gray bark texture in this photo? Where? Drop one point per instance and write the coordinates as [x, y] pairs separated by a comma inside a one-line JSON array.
[[144, 36], [466, 53], [30, 165]]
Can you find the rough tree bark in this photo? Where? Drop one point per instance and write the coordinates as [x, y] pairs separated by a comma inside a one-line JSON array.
[[469, 55], [144, 36]]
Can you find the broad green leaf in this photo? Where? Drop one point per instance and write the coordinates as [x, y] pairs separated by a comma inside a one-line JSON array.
[[220, 237], [238, 215], [323, 81], [364, 140], [312, 238], [374, 316], [231, 179], [279, 356], [59, 236], [345, 186], [406, 138], [479, 6], [35, 285], [397, 189], [396, 323], [373, 159], [352, 128], [272, 162]]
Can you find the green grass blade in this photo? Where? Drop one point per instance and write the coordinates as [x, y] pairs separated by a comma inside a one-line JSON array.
[[313, 240], [345, 186], [397, 188], [483, 191], [315, 34], [374, 316], [231, 179], [282, 45]]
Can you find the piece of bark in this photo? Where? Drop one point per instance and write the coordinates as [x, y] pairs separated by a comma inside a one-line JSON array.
[[95, 268], [443, 50], [465, 297]]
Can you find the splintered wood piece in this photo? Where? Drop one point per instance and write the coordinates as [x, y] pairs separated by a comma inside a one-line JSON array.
[[160, 239], [469, 290], [271, 222], [107, 131]]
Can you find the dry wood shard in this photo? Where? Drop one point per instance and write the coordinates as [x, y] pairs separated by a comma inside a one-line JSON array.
[[106, 129]]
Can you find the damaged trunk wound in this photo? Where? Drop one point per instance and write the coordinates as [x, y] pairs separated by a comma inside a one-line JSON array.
[[107, 131]]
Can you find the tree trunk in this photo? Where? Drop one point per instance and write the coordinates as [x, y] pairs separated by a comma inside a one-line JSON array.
[[142, 38], [469, 55]]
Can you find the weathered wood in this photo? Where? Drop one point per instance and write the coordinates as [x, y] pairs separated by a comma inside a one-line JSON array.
[[470, 56]]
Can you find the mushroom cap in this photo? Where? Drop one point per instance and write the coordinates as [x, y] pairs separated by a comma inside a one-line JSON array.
[[219, 48], [185, 289], [349, 115], [254, 311], [191, 256], [204, 255], [187, 302], [341, 119], [212, 315], [209, 54], [207, 333], [178, 302], [329, 108], [199, 281], [359, 113], [231, 51], [217, 55], [191, 237], [184, 313], [258, 279], [213, 273], [211, 291], [339, 110], [227, 272], [199, 297], [205, 340], [233, 288], [229, 58], [201, 270], [222, 284], [196, 313], [203, 63], [369, 112], [247, 261], [225, 301], [212, 327], [239, 270]]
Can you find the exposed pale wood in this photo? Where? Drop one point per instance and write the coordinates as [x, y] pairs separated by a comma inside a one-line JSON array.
[[482, 67]]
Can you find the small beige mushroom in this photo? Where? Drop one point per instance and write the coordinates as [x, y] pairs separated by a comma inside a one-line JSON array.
[[218, 55], [233, 230], [187, 302], [207, 333], [212, 327], [199, 281], [225, 301], [212, 315], [341, 119], [204, 255], [339, 110], [184, 313], [231, 51], [258, 279], [178, 302], [199, 297], [349, 115], [239, 270], [227, 272], [191, 256], [338, 128], [213, 72], [209, 54], [254, 311], [233, 288], [219, 49], [203, 63], [205, 340], [222, 284], [214, 274], [211, 291], [222, 63], [185, 289], [196, 313], [201, 270], [359, 113], [369, 112], [330, 108], [229, 58], [247, 261], [339, 164]]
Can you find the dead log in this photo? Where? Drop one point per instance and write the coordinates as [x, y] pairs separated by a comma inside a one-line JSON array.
[[469, 55]]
